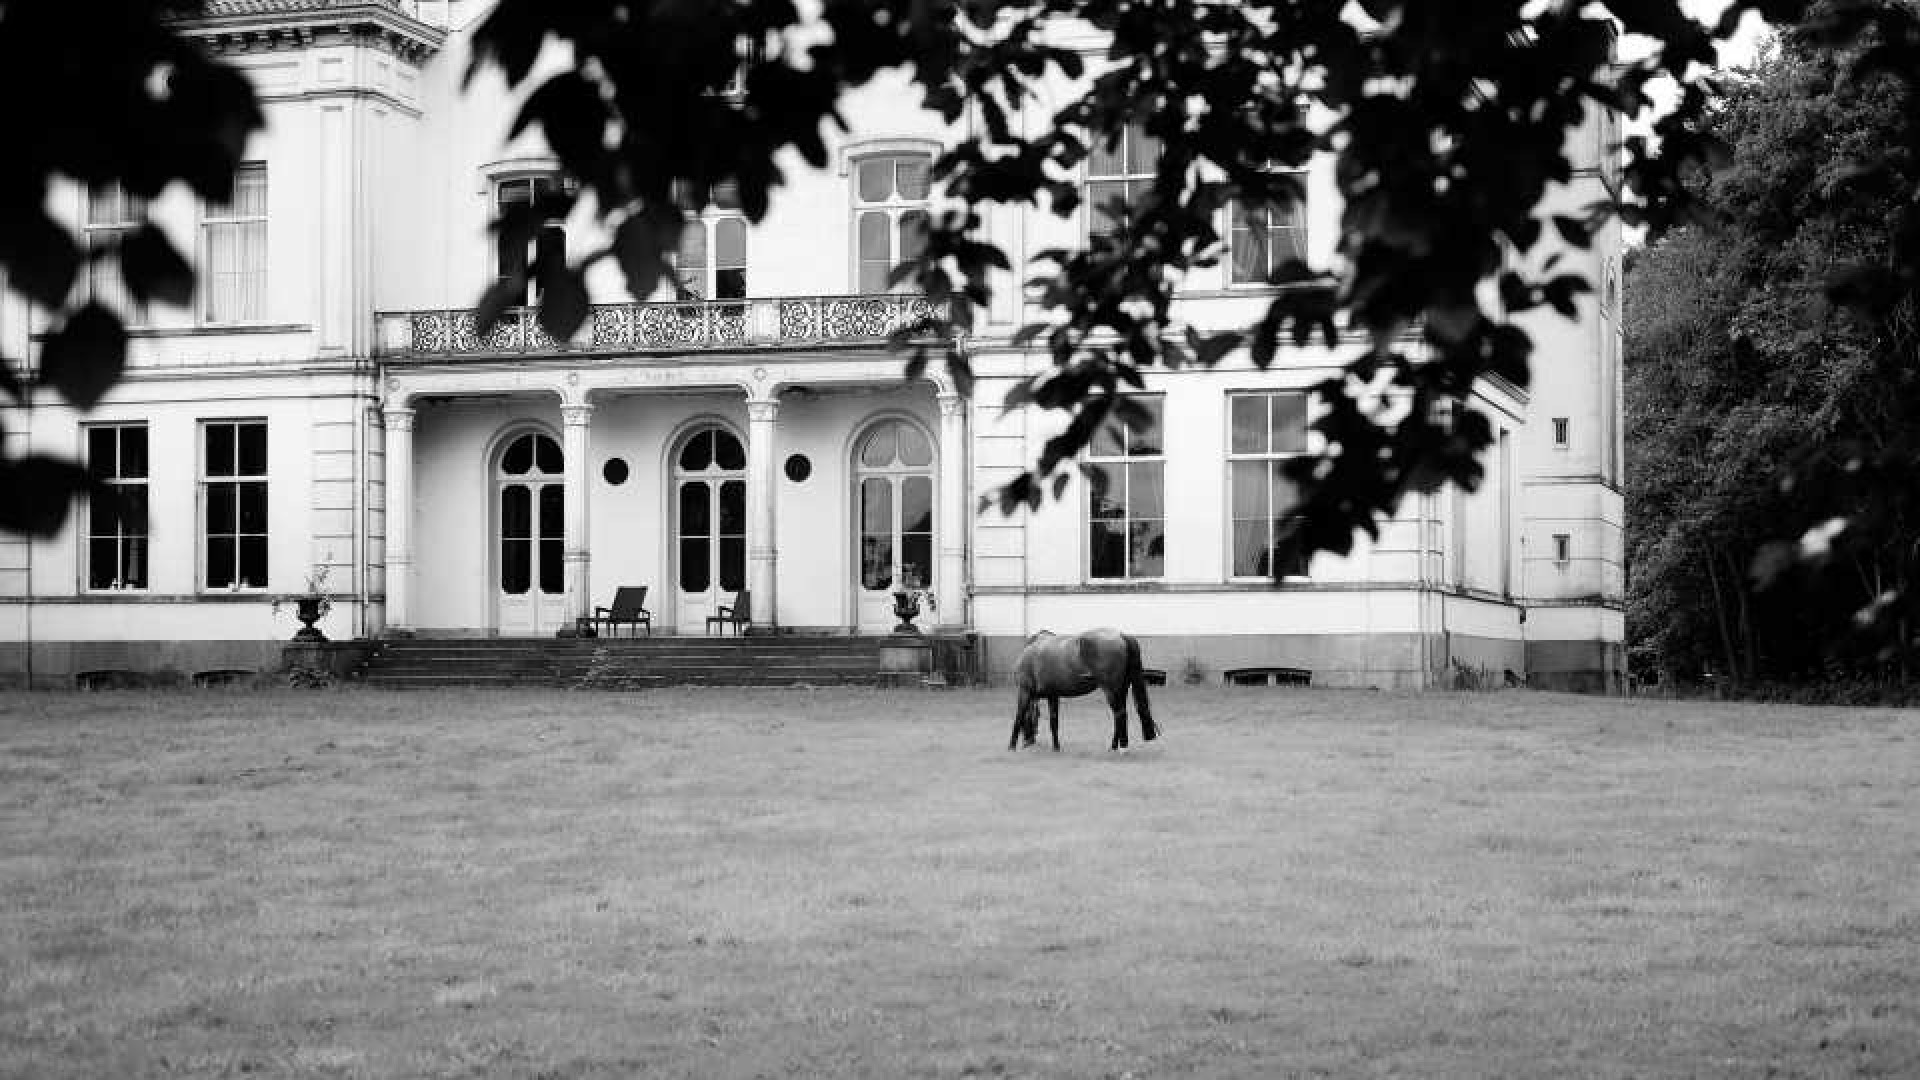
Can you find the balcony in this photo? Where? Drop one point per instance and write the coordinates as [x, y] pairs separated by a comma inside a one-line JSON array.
[[706, 326]]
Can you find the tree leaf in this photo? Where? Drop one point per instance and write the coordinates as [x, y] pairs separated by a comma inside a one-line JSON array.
[[84, 358], [153, 270]]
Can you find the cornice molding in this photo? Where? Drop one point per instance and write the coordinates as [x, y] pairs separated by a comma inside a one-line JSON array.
[[252, 26]]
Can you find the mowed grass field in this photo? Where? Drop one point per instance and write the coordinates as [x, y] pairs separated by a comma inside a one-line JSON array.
[[862, 883]]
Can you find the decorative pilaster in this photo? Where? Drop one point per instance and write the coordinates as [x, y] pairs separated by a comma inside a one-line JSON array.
[[949, 579], [575, 556], [761, 479], [398, 422]]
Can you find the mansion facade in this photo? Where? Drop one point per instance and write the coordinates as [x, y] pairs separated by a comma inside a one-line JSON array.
[[325, 415]]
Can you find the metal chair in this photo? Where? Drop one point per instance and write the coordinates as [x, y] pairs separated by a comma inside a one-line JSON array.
[[738, 615], [629, 608]]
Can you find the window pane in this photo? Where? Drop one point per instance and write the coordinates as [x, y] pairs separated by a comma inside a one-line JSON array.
[[1143, 150], [553, 510], [728, 452], [914, 448], [1106, 496], [1145, 440], [253, 507], [103, 451], [250, 191], [133, 568], [876, 505], [222, 511], [1250, 490], [553, 580], [913, 234], [874, 227], [516, 567], [1106, 440], [730, 242], [253, 562], [875, 179], [1146, 548], [253, 449], [730, 284], [1107, 219], [696, 509], [697, 455], [911, 175], [733, 563], [874, 274], [876, 561], [219, 449], [1251, 555], [695, 573], [733, 508], [725, 195], [916, 560], [516, 512], [220, 562], [1289, 423], [1105, 160], [133, 453], [1249, 420], [1144, 496], [103, 555], [519, 456], [1251, 265], [880, 447], [133, 509], [1286, 495], [104, 205], [692, 258], [1107, 549], [547, 457], [916, 504]]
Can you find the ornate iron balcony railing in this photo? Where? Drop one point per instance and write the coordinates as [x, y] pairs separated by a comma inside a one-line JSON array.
[[676, 327]]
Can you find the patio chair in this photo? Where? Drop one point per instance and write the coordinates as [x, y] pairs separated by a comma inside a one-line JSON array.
[[739, 615], [629, 609]]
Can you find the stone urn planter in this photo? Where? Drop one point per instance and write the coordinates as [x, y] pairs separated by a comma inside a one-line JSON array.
[[309, 610], [906, 606]]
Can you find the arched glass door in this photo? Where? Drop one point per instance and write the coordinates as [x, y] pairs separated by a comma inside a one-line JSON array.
[[710, 524], [530, 513], [893, 498]]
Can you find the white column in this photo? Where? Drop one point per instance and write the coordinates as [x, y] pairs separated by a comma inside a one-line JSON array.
[[398, 422], [761, 479], [575, 557], [949, 579]]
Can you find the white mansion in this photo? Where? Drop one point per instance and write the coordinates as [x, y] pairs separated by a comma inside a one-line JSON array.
[[325, 410]]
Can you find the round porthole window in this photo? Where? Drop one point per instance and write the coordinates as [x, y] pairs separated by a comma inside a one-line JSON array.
[[615, 471], [799, 468]]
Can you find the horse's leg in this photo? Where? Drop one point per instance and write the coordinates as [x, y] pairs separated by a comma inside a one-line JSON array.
[[1149, 731], [1022, 713], [1053, 721], [1117, 701]]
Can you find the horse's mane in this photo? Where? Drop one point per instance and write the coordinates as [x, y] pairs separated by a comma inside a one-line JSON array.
[[1037, 635]]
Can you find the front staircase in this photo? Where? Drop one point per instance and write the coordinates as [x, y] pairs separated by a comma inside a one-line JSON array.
[[625, 663]]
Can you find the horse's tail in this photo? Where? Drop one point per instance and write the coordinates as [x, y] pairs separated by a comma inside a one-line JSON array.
[[1137, 680]]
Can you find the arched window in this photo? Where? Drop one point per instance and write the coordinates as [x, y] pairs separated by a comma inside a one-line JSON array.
[[532, 506], [893, 468], [711, 511]]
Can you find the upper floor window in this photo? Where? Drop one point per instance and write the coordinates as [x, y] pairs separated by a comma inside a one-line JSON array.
[[116, 554], [1119, 172], [1126, 506], [233, 493], [520, 258], [1264, 236], [110, 214], [889, 213], [712, 261], [1267, 430], [236, 250]]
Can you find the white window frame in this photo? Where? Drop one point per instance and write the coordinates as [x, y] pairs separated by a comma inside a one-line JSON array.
[[101, 281], [895, 208], [1561, 428], [217, 218], [1562, 548], [538, 181], [210, 488], [1133, 176], [1274, 459], [1297, 229], [112, 474], [1121, 464], [719, 210]]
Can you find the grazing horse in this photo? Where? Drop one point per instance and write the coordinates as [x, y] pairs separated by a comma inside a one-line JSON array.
[[1053, 667]]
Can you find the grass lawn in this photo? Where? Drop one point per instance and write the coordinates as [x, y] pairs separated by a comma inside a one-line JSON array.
[[860, 883]]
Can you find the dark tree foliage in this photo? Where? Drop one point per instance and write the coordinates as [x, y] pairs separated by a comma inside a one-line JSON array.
[[108, 92], [1449, 123], [1774, 476]]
